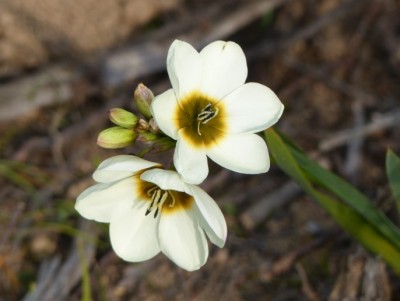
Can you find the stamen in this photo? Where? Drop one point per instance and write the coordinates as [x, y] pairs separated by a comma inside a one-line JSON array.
[[206, 115], [149, 209], [172, 204], [205, 112], [158, 198], [154, 198], [207, 107], [161, 203]]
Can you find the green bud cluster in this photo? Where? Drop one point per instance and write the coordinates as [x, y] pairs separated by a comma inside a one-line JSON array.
[[130, 128]]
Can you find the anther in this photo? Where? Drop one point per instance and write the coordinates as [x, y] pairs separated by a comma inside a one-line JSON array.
[[161, 203], [158, 198], [206, 115], [155, 193]]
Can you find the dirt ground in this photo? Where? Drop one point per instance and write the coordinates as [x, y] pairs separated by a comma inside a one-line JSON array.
[[63, 64]]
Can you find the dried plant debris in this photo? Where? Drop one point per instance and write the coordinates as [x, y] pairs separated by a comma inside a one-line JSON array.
[[334, 65], [363, 278]]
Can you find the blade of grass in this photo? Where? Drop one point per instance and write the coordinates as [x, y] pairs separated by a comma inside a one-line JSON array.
[[367, 232], [16, 178], [348, 194], [22, 175], [393, 174], [86, 287]]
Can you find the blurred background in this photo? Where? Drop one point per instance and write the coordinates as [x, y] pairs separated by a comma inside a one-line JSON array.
[[335, 64]]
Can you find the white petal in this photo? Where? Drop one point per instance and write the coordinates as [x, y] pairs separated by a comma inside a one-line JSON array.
[[182, 240], [134, 236], [252, 108], [209, 216], [244, 153], [120, 167], [105, 202], [164, 108], [184, 68], [190, 162], [224, 68], [165, 179]]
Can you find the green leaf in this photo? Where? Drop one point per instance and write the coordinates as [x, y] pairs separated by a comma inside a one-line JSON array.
[[349, 195], [351, 209], [86, 287], [393, 173]]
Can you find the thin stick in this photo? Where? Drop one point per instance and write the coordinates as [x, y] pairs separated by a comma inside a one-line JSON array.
[[386, 121], [253, 216]]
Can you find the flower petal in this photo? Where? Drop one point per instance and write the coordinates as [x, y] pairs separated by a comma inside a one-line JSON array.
[[252, 108], [134, 236], [165, 179], [244, 153], [120, 167], [163, 109], [184, 68], [190, 162], [106, 201], [182, 240], [209, 216], [224, 68]]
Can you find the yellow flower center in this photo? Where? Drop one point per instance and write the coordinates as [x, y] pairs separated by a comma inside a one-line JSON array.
[[202, 119], [162, 201]]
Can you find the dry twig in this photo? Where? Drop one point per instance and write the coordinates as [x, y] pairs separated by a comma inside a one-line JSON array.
[[306, 285], [287, 261], [254, 215], [380, 123]]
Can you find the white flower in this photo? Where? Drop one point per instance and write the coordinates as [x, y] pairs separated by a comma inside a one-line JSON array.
[[212, 112], [151, 210]]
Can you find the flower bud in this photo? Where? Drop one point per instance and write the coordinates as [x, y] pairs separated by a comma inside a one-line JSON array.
[[143, 97], [116, 137], [142, 126], [153, 126], [123, 118]]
